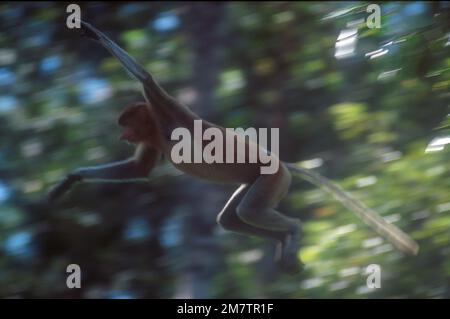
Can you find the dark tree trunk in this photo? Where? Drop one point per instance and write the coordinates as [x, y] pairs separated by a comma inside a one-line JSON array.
[[203, 25]]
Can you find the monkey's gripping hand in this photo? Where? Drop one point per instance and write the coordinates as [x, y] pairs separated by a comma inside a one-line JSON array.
[[62, 187]]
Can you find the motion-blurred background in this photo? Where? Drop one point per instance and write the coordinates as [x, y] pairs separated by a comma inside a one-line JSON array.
[[367, 108]]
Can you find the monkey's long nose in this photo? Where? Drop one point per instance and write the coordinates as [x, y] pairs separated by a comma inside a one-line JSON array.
[[127, 61]]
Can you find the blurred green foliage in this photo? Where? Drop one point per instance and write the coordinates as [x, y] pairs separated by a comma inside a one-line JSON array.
[[374, 119]]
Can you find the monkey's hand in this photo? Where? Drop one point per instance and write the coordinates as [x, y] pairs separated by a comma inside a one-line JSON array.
[[62, 187]]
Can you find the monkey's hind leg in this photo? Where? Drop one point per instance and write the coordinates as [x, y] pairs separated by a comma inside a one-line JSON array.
[[229, 219], [257, 209]]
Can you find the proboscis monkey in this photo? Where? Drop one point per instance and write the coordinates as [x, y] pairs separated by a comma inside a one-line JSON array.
[[252, 208]]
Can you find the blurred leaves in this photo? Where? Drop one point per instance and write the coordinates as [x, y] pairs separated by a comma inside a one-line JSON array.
[[364, 120]]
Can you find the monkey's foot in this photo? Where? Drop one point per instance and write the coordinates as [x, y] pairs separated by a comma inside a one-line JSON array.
[[290, 263], [292, 266]]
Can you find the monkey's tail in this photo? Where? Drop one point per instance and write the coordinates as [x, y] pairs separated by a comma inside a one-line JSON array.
[[392, 233]]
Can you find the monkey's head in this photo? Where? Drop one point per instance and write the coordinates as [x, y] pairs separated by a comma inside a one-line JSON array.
[[137, 123]]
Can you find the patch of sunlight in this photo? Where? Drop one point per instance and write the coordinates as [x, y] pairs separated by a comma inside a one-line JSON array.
[[441, 223], [377, 53], [95, 153], [311, 283], [382, 137], [312, 163], [317, 226], [250, 20], [388, 75], [310, 253], [372, 242], [392, 218], [32, 186], [366, 181], [441, 239], [410, 84], [337, 13], [361, 290], [445, 207], [89, 219], [346, 43], [313, 197], [232, 80], [248, 257], [350, 118], [437, 144], [339, 285], [437, 170], [135, 38], [391, 156], [350, 271], [283, 17], [442, 85], [160, 69], [342, 230], [382, 249], [7, 56], [314, 66], [54, 175], [31, 148], [420, 215]]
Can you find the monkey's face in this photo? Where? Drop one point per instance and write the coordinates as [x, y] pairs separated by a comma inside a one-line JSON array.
[[135, 123], [130, 135]]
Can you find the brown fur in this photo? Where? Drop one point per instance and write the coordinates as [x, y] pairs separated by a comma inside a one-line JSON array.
[[139, 117]]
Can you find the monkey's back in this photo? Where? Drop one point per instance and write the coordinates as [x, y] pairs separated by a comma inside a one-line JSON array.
[[220, 167]]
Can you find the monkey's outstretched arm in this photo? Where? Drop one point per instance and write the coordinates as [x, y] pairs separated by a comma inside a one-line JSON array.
[[128, 61], [135, 169], [154, 93]]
